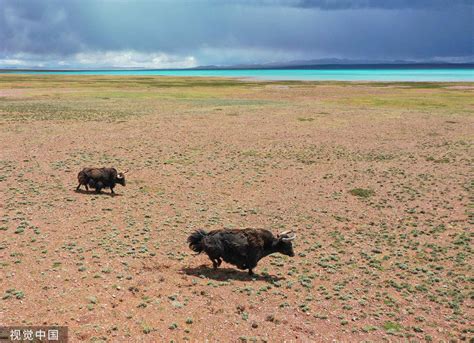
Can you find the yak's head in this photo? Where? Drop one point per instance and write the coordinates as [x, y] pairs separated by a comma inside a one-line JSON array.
[[283, 245], [121, 178]]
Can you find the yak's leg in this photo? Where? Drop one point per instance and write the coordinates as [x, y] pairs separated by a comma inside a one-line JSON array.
[[112, 190], [87, 187], [215, 263], [79, 186], [98, 186], [251, 266]]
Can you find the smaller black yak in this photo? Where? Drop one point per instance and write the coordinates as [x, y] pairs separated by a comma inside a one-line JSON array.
[[242, 248], [99, 178]]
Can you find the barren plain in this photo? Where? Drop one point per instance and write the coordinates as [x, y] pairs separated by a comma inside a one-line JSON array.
[[375, 178]]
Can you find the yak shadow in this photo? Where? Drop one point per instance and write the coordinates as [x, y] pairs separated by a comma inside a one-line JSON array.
[[226, 274], [93, 192]]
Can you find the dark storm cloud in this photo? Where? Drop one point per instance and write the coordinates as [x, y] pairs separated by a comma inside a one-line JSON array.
[[226, 32], [36, 27], [379, 4]]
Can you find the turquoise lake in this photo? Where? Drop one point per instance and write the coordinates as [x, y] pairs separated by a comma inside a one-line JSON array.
[[396, 74]]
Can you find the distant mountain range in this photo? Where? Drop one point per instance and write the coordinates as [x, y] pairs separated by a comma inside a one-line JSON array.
[[328, 63]]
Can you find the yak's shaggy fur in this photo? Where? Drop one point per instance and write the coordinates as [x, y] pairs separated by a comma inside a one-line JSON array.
[[242, 248], [99, 178]]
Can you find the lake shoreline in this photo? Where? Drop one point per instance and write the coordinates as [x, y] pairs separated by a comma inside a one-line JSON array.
[[464, 73]]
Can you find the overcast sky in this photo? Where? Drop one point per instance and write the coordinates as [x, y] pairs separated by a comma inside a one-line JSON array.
[[178, 33]]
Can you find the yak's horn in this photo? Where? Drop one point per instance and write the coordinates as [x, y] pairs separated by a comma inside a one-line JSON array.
[[126, 171], [285, 232], [288, 239]]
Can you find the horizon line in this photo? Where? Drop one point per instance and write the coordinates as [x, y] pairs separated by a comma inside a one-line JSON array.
[[381, 65]]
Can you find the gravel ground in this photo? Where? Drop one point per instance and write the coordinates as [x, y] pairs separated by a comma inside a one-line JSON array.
[[376, 179]]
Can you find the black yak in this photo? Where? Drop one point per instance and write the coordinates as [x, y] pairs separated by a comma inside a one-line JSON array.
[[242, 248], [99, 178]]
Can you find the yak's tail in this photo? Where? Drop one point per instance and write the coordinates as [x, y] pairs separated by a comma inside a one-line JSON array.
[[195, 240], [82, 178]]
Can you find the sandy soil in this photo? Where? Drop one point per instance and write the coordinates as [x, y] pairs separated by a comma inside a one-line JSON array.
[[376, 179]]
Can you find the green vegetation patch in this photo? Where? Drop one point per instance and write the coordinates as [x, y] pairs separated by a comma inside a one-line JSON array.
[[362, 192]]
